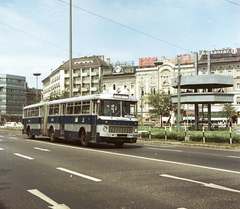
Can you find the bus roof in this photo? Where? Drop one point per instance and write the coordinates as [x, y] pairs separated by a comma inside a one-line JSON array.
[[115, 96]]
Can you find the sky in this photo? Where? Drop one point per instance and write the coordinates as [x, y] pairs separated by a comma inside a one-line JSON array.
[[34, 34]]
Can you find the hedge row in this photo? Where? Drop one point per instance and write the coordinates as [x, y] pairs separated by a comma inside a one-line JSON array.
[[223, 137]]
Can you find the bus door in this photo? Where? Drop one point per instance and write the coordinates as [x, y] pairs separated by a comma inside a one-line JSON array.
[[94, 121], [62, 120]]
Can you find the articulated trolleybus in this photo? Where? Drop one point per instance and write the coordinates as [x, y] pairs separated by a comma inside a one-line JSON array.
[[97, 118]]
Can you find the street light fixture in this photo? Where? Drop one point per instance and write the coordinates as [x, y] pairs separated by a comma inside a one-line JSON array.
[[36, 74]]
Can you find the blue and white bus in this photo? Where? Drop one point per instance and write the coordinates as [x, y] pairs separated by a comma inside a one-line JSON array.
[[97, 118]]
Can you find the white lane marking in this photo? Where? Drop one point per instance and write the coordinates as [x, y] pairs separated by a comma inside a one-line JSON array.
[[172, 150], [1, 149], [154, 145], [234, 156], [42, 196], [79, 174], [215, 186], [24, 156], [1, 136], [139, 157], [1, 140], [45, 150], [13, 138]]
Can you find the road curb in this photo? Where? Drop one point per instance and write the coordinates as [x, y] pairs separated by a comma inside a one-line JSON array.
[[190, 145]]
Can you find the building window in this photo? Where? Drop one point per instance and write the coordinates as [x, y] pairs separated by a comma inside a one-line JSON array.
[[238, 86], [132, 86], [238, 73], [104, 87], [238, 100], [114, 87], [152, 91]]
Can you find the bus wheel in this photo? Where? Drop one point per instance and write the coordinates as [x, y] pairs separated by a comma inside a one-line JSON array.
[[29, 133], [83, 139], [52, 135], [119, 144]]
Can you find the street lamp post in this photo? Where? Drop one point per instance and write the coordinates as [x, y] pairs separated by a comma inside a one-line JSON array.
[[36, 74]]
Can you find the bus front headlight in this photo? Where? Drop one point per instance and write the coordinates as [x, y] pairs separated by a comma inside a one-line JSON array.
[[135, 130], [105, 128]]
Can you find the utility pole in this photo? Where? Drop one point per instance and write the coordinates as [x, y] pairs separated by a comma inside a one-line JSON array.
[[179, 81], [70, 50], [141, 107]]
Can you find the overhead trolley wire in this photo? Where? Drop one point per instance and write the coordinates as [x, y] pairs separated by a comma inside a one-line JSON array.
[[125, 26]]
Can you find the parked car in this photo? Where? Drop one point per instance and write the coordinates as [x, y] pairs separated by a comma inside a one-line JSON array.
[[10, 124], [13, 124]]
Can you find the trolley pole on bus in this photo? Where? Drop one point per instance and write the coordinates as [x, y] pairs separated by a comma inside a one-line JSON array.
[[70, 50]]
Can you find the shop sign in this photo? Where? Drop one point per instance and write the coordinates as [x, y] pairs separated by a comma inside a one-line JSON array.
[[148, 61], [222, 51]]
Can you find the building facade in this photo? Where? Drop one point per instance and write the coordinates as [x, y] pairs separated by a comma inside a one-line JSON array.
[[92, 75], [153, 74], [12, 97], [86, 77], [120, 79]]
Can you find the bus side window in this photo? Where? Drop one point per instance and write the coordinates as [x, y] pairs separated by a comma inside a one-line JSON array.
[[37, 111], [41, 111], [77, 108], [70, 108], [51, 110], [56, 109], [86, 108]]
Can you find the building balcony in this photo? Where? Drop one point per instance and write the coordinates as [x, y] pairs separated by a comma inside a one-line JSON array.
[[94, 88], [85, 74], [85, 89], [76, 75], [86, 81], [94, 73], [76, 89], [66, 75], [77, 82], [95, 81]]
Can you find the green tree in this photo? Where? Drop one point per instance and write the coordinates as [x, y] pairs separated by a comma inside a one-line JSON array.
[[36, 100], [65, 94], [160, 103], [228, 110]]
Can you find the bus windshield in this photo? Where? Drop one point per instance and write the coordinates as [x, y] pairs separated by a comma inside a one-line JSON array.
[[117, 108]]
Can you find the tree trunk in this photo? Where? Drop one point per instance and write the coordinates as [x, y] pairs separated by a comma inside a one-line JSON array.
[[161, 120]]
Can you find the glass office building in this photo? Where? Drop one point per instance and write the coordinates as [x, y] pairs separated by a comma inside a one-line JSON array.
[[12, 97]]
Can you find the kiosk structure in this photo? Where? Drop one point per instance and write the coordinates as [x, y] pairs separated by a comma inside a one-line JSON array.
[[203, 89]]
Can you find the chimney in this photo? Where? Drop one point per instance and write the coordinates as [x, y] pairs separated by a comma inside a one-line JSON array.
[[102, 57], [209, 62], [108, 61]]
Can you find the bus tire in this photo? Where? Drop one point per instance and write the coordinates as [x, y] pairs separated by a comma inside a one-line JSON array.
[[83, 139], [119, 144], [29, 133], [52, 135]]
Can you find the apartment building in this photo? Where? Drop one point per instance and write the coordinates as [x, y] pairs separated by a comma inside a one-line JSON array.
[[86, 74]]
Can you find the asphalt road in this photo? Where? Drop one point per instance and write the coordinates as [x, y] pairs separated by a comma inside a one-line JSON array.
[[40, 174]]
